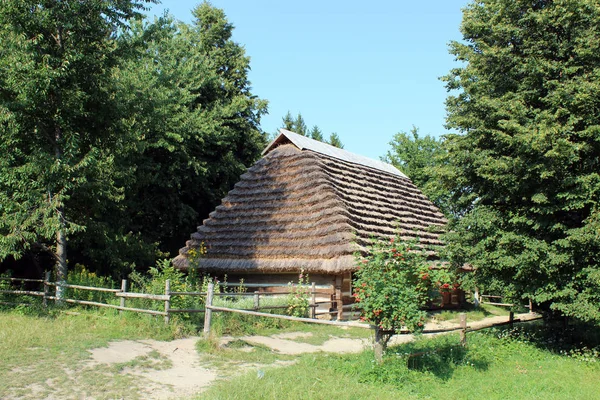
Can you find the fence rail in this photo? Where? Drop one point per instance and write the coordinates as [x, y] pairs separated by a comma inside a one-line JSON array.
[[122, 295]]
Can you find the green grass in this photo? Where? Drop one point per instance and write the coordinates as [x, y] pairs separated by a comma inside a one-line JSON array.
[[44, 354], [473, 313], [496, 364]]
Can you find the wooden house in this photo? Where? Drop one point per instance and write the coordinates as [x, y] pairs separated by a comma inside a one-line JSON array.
[[309, 206]]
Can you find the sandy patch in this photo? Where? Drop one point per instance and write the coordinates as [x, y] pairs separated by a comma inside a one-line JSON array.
[[285, 346], [184, 378], [293, 335]]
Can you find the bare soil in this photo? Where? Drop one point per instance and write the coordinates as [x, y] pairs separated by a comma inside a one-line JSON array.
[[185, 375]]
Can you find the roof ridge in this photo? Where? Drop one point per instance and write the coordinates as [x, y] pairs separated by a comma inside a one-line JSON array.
[[306, 143]]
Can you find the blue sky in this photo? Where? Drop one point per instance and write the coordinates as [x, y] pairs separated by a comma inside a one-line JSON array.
[[365, 70]]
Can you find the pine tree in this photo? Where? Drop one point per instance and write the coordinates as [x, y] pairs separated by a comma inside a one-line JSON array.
[[525, 168]]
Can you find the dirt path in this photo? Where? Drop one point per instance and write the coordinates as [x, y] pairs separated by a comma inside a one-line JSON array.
[[176, 370], [184, 376]]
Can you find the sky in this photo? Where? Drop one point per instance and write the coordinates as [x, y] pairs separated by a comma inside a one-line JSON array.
[[363, 69]]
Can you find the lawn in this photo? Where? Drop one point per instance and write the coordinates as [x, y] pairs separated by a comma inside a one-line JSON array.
[[46, 355], [496, 364]]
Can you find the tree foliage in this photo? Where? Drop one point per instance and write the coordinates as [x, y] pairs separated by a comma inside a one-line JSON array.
[[58, 132], [119, 134], [421, 158], [298, 125], [525, 170]]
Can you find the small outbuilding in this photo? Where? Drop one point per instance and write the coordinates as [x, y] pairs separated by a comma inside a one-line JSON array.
[[309, 206]]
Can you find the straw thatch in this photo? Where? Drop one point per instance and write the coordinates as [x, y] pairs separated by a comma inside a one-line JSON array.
[[304, 205]]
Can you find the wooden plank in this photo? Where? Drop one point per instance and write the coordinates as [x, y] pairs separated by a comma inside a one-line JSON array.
[[188, 293], [159, 297], [313, 301], [289, 318], [186, 310], [168, 299], [498, 304], [339, 280], [208, 313], [268, 285], [123, 289], [93, 303]]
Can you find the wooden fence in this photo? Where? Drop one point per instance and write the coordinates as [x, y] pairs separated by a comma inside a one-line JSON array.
[[122, 295], [497, 301]]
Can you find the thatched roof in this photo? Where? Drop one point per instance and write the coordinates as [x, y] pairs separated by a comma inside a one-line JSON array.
[[309, 205]]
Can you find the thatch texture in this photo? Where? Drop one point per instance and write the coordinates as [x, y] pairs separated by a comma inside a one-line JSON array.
[[299, 208]]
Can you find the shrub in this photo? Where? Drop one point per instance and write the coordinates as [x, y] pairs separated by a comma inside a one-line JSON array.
[[297, 300]]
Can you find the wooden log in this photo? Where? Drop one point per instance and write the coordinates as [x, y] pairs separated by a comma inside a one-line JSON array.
[[46, 288], [167, 300], [188, 293], [289, 318], [186, 310], [97, 289], [158, 297], [123, 290], [313, 301], [208, 313], [256, 300], [338, 297], [93, 303], [498, 304], [463, 329]]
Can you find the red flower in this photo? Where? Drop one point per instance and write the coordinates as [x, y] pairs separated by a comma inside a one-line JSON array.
[[425, 276], [445, 286], [392, 240]]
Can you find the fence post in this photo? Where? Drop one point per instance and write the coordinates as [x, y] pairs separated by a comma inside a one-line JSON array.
[[463, 331], [476, 298], [511, 318], [530, 306], [208, 312], [168, 300], [313, 301], [46, 288], [123, 290], [339, 279], [256, 300]]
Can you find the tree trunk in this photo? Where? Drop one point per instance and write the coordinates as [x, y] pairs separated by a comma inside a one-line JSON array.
[[61, 258], [61, 236]]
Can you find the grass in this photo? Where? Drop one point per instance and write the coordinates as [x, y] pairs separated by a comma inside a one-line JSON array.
[[473, 314], [44, 353], [496, 364]]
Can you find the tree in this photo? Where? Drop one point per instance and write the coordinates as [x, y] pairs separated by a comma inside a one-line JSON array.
[[420, 158], [316, 134], [57, 113], [194, 119], [334, 140], [298, 126], [525, 170]]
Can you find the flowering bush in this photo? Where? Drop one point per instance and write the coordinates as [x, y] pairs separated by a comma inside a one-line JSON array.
[[392, 284], [297, 301]]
